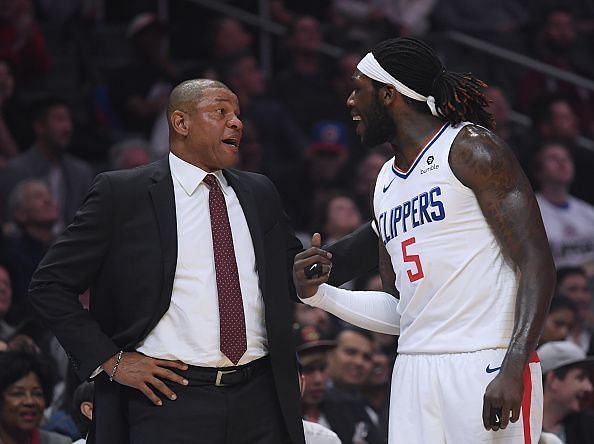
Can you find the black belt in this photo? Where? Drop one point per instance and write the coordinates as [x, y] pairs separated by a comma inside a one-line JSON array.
[[225, 376]]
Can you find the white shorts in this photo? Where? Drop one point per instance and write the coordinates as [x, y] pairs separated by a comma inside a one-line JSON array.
[[438, 399]]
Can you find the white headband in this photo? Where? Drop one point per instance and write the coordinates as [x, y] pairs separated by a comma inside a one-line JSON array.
[[372, 69]]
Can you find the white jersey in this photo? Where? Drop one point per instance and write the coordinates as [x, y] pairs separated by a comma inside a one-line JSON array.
[[570, 229], [457, 292]]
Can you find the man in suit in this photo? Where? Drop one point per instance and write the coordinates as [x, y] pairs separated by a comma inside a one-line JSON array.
[[189, 328]]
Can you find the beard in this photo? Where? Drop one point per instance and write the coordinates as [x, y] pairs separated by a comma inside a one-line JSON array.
[[380, 127]]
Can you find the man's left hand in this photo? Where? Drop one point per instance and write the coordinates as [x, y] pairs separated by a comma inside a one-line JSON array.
[[503, 400]]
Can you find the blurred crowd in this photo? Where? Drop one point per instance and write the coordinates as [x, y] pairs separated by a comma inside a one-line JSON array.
[[83, 89]]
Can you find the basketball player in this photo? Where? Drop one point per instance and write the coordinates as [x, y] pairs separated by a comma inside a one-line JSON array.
[[464, 259]]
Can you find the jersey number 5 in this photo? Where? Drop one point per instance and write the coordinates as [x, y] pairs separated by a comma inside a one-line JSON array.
[[414, 258]]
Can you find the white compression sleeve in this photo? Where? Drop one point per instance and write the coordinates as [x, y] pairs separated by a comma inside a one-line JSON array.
[[372, 310]]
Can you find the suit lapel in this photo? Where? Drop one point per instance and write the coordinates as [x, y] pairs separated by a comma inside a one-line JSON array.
[[248, 204], [163, 198]]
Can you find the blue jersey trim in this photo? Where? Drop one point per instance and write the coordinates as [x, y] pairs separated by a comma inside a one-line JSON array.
[[420, 156]]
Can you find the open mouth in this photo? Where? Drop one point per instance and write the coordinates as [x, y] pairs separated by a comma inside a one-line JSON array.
[[29, 416], [357, 119], [232, 142]]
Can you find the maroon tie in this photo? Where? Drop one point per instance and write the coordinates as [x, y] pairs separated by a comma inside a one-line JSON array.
[[232, 320]]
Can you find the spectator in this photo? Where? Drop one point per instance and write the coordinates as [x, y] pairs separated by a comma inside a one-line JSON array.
[[338, 216], [514, 134], [68, 178], [141, 88], [560, 321], [34, 211], [349, 367], [312, 353], [569, 222], [229, 39], [572, 283], [377, 390], [315, 433], [555, 119], [565, 383], [26, 389], [21, 41], [304, 86], [324, 169], [557, 45], [82, 403], [129, 153], [6, 331], [281, 139], [345, 416], [349, 364]]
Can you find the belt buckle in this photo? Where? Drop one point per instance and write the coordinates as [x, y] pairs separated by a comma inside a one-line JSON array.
[[220, 374]]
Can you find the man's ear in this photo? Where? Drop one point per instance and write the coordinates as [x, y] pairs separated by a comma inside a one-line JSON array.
[[86, 408], [180, 122], [387, 95], [551, 381]]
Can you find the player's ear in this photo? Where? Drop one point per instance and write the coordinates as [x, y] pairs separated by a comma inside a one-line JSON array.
[[388, 94]]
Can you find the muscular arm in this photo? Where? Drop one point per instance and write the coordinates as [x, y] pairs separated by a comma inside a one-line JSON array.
[[483, 163]]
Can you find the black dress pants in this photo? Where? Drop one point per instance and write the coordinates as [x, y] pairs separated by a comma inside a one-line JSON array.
[[247, 413]]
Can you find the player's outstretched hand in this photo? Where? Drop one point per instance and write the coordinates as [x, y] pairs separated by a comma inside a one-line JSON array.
[[311, 268], [146, 374], [502, 401]]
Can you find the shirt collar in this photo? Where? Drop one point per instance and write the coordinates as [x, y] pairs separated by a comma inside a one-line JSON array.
[[190, 176]]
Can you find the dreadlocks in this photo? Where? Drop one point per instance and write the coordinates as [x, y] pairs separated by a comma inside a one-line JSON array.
[[459, 97]]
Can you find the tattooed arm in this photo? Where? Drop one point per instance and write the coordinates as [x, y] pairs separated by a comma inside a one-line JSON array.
[[482, 162]]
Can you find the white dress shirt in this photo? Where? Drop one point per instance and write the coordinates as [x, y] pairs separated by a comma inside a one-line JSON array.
[[318, 434], [189, 330]]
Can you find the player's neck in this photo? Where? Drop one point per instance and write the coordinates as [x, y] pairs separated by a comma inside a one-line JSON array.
[[411, 137]]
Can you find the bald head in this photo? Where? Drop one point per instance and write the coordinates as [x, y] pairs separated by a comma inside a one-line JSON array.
[[187, 93]]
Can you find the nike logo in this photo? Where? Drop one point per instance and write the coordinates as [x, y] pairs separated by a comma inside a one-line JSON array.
[[491, 370], [388, 186]]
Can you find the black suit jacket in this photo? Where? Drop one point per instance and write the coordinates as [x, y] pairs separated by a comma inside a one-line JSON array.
[[123, 245]]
